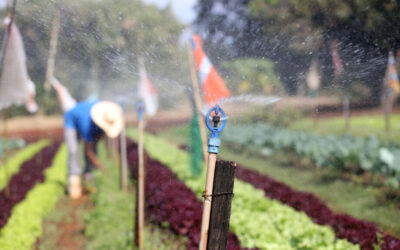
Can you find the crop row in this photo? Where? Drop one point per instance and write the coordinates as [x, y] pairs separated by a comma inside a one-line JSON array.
[[257, 221], [357, 231], [25, 223], [31, 171], [11, 144], [344, 153], [172, 201], [14, 163]]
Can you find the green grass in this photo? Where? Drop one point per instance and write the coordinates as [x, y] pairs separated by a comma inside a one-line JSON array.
[[346, 197], [365, 125]]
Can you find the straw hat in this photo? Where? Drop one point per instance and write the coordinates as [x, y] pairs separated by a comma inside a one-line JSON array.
[[108, 116]]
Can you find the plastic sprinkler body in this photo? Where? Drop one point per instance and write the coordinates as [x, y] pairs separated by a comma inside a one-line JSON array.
[[140, 108], [214, 141]]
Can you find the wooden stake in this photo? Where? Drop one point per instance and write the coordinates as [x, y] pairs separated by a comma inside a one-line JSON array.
[[5, 143], [140, 189], [52, 51], [221, 205], [198, 102], [115, 152], [388, 101], [205, 220], [124, 163], [346, 112]]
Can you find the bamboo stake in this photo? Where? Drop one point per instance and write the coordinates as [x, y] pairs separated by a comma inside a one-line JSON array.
[[205, 220], [6, 34], [123, 160], [52, 51], [198, 103], [140, 188], [5, 143], [116, 154]]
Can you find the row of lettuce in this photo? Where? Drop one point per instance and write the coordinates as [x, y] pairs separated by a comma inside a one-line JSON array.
[[111, 220], [257, 221], [342, 153], [44, 167]]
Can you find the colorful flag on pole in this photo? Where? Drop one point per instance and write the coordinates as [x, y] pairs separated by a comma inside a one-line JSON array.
[[16, 88], [391, 75], [337, 63], [147, 92], [313, 80], [213, 86], [196, 150]]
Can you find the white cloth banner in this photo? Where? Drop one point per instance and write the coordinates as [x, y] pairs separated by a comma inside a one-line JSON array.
[[16, 88], [148, 93], [313, 80]]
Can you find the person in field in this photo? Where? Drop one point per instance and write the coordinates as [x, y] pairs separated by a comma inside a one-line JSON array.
[[89, 120]]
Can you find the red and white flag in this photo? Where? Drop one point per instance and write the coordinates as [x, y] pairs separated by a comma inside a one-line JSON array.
[[213, 86], [16, 88], [391, 75], [147, 91], [337, 63]]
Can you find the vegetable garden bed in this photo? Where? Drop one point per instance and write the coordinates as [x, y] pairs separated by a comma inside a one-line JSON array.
[[34, 192], [169, 201], [345, 154], [31, 171], [257, 221]]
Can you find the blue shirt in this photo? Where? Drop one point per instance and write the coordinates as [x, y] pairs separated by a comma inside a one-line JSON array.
[[79, 119]]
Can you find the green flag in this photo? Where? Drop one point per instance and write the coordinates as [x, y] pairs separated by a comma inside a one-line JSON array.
[[196, 149]]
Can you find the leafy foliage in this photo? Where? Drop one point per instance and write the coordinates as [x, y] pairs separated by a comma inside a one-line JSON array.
[[25, 223], [359, 232], [100, 41], [345, 153], [256, 220], [20, 184], [253, 76], [109, 225], [171, 203], [15, 162]]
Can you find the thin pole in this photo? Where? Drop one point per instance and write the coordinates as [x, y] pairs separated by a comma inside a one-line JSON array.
[[53, 50], [6, 34], [205, 221], [116, 154], [198, 103], [5, 142], [124, 164], [140, 188]]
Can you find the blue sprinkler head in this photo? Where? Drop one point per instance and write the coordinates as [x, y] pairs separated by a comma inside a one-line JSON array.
[[140, 108], [214, 141]]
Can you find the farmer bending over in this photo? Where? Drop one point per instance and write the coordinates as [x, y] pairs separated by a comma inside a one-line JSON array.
[[89, 120]]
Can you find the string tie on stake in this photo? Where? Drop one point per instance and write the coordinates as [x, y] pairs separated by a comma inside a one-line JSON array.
[[217, 194], [214, 141]]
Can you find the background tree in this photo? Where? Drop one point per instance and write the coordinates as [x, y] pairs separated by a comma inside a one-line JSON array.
[[98, 47], [292, 32]]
